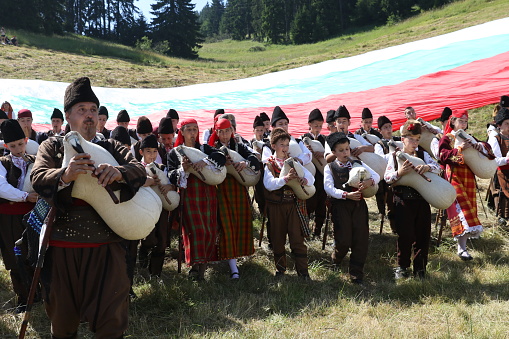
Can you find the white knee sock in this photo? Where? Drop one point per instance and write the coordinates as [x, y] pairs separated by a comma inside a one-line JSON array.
[[233, 265], [462, 243]]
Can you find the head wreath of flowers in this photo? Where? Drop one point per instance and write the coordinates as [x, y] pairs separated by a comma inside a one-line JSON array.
[[411, 127]]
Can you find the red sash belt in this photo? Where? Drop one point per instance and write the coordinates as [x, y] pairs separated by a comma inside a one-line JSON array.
[[16, 208]]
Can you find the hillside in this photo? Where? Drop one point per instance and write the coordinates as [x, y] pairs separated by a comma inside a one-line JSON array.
[[60, 58]]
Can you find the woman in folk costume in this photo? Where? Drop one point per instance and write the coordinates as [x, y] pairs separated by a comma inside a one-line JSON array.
[[462, 213], [199, 200], [235, 218], [499, 143]]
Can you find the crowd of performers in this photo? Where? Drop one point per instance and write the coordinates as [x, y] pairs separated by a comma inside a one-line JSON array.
[[88, 268]]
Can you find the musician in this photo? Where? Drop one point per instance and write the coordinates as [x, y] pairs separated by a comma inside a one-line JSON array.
[[499, 143], [166, 133], [444, 118], [57, 120], [287, 213], [342, 117], [103, 118], [235, 218], [152, 248], [411, 115], [331, 121], [492, 126], [384, 194], [199, 200], [349, 209], [266, 123], [367, 124], [412, 214], [14, 203], [238, 138], [144, 129], [208, 132], [463, 212], [279, 119], [81, 241], [259, 132], [174, 116], [25, 120], [123, 119], [316, 204]]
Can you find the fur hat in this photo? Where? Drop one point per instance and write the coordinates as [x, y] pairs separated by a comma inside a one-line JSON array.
[[143, 126], [103, 111], [335, 138], [57, 114], [149, 142], [366, 113], [504, 101], [79, 90], [315, 115], [121, 134], [264, 116], [446, 113], [382, 120], [342, 112], [503, 114], [11, 130], [172, 114], [330, 116], [277, 115], [165, 126], [123, 116], [218, 112], [258, 122]]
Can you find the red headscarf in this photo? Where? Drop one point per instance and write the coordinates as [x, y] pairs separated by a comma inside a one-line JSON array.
[[219, 124], [180, 137], [457, 113]]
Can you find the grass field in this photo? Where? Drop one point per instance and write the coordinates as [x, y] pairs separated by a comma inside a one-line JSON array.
[[458, 300]]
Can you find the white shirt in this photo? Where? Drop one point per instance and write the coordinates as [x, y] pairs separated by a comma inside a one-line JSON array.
[[9, 192], [328, 179], [501, 159], [271, 183], [305, 156], [357, 137]]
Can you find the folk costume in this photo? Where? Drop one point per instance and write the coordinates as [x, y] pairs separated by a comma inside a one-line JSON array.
[[287, 215], [208, 132], [123, 116], [85, 277], [200, 222], [13, 205], [366, 114], [57, 114], [234, 209], [144, 126], [412, 213], [105, 132], [26, 113], [316, 204], [350, 218]]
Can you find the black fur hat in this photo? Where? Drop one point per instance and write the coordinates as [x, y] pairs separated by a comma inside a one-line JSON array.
[[165, 126], [336, 137], [264, 116], [149, 142], [57, 114], [172, 114], [277, 115], [503, 114], [123, 116], [258, 122], [446, 113], [330, 116], [342, 112], [79, 90], [103, 111], [11, 130], [366, 113], [121, 134], [315, 115], [504, 101], [382, 120], [143, 126]]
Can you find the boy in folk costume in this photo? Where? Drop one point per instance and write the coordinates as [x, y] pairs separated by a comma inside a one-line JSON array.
[[444, 119], [349, 209], [123, 119], [235, 218], [153, 246], [287, 213], [121, 134], [57, 120], [25, 120], [199, 200], [367, 123], [499, 143], [384, 194], [331, 121], [412, 214], [462, 213], [316, 204], [144, 129], [259, 132], [266, 123], [14, 203], [102, 119], [166, 133], [85, 277]]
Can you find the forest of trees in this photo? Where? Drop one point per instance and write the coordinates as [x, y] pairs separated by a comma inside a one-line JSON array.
[[176, 29]]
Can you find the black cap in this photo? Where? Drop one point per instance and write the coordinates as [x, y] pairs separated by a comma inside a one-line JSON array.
[[366, 113], [503, 114], [504, 101], [258, 122], [264, 116], [121, 134], [446, 113], [277, 115], [149, 142], [79, 90], [3, 115], [57, 114], [342, 112], [11, 130], [218, 111], [382, 120], [336, 137], [315, 115], [143, 126], [330, 116], [123, 116], [172, 114], [165, 126], [103, 111]]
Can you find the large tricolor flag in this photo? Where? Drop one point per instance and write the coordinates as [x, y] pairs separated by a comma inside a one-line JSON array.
[[464, 69]]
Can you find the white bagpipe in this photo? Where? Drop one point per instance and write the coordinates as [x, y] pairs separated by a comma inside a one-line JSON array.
[[426, 136], [373, 160], [246, 177], [316, 146], [171, 200], [358, 174], [209, 174], [371, 138], [477, 161], [395, 146], [302, 192], [132, 219], [437, 191], [27, 183], [258, 146], [295, 150]]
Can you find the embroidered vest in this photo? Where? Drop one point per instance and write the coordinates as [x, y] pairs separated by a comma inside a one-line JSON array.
[[13, 173], [406, 192], [340, 175], [504, 147], [284, 194]]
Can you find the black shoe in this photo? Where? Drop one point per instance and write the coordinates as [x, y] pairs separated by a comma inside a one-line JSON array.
[[279, 274], [20, 309], [400, 273], [465, 256], [357, 281]]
